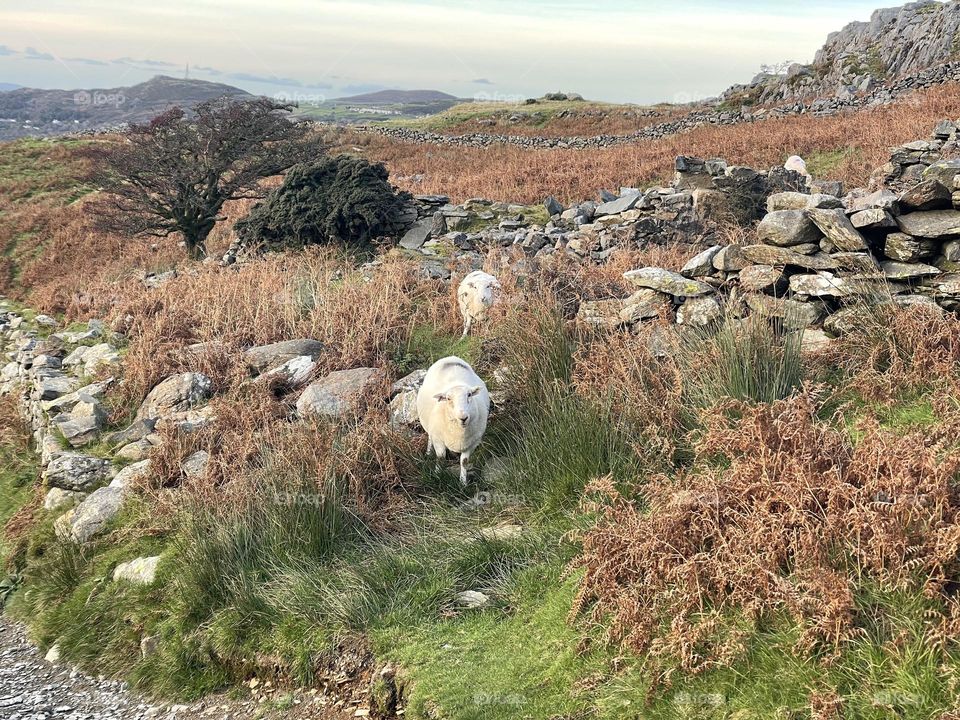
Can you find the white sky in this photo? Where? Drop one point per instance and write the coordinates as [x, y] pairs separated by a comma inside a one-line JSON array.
[[639, 51]]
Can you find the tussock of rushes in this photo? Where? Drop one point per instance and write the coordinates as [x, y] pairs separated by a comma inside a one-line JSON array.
[[752, 359], [779, 513]]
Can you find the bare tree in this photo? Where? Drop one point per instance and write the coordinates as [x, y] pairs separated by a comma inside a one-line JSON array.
[[174, 174]]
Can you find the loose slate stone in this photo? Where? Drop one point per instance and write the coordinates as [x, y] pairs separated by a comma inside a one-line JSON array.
[[701, 264], [777, 256], [873, 219], [903, 247], [417, 235], [907, 271], [932, 224], [730, 259], [838, 229], [928, 195], [761, 278], [668, 282], [821, 285], [795, 314], [787, 227]]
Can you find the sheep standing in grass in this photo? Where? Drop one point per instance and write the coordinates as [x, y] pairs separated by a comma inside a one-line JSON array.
[[476, 295], [453, 405]]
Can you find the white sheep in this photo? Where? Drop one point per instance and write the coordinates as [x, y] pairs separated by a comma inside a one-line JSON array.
[[797, 164], [477, 294], [453, 405]]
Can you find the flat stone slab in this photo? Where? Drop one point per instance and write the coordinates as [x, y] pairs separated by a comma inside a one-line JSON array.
[[417, 235], [932, 224], [668, 282]]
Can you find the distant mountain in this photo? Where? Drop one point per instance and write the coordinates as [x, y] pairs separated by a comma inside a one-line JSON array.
[[33, 112], [4, 87], [399, 97]]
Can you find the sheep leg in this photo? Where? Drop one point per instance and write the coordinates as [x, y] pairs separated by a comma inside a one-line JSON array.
[[441, 452], [464, 460], [466, 326]]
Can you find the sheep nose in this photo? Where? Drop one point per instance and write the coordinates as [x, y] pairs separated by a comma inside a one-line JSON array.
[[464, 420]]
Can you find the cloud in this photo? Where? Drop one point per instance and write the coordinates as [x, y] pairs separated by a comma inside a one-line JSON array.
[[208, 70], [87, 61], [147, 63], [481, 81], [265, 79], [4, 50], [34, 54]]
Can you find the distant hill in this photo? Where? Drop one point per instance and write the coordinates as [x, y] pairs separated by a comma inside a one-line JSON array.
[[399, 97], [4, 87], [34, 112]]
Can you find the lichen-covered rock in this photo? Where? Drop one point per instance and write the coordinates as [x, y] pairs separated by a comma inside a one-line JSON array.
[[58, 499], [699, 312], [645, 304], [907, 271], [195, 465], [73, 471], [784, 228], [264, 357], [933, 224], [838, 229], [338, 394], [903, 247], [174, 395], [600, 313], [91, 517], [142, 571], [782, 257], [294, 374], [131, 474], [795, 314], [761, 278], [701, 264], [668, 282], [927, 195]]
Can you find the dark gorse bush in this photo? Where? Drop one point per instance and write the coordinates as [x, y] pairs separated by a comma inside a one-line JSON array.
[[343, 200]]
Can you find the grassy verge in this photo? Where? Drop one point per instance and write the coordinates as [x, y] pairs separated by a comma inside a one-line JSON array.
[[331, 537]]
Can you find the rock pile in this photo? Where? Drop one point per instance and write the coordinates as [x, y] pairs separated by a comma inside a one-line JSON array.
[[818, 258]]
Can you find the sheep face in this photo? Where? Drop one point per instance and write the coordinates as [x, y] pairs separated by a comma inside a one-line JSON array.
[[477, 297], [457, 405]]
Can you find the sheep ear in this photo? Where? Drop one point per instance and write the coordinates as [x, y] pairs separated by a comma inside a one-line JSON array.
[[474, 391], [441, 397]]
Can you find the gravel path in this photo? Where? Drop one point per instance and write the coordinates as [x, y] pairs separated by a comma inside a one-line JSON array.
[[33, 689]]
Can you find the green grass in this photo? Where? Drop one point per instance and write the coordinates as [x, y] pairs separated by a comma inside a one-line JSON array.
[[293, 572], [425, 345], [539, 114], [827, 162], [753, 360]]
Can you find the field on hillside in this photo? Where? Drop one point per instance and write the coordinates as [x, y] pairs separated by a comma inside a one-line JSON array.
[[543, 118], [722, 526], [845, 147]]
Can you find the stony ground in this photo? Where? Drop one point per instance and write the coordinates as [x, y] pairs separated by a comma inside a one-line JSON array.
[[33, 689]]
